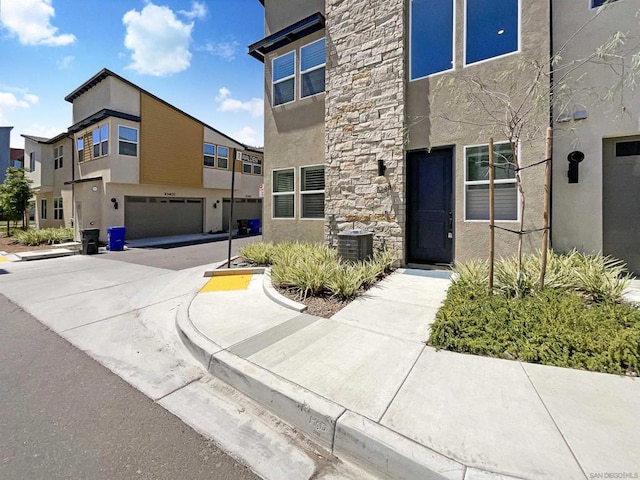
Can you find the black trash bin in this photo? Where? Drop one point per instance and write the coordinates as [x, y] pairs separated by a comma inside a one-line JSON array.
[[90, 238], [243, 226]]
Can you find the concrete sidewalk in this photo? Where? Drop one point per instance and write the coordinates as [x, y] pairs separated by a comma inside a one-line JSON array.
[[364, 385]]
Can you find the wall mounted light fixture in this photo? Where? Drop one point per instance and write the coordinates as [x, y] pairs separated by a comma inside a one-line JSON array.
[[574, 159], [381, 168], [115, 203]]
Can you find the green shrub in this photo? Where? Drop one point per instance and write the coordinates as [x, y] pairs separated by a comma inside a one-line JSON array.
[[552, 328], [45, 236]]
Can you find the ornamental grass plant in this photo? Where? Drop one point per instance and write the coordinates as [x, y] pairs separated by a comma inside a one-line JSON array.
[[44, 236]]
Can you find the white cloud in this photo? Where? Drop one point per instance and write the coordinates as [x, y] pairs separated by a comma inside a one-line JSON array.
[[225, 50], [65, 62], [158, 40], [255, 106], [30, 21], [248, 136], [9, 101], [198, 10]]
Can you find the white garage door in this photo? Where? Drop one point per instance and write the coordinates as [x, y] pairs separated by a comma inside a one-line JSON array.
[[147, 217]]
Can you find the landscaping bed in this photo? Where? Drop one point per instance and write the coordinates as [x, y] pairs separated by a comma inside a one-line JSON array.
[[34, 239], [578, 320]]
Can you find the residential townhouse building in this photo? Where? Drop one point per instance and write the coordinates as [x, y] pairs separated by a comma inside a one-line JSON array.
[[404, 151], [132, 159], [6, 152]]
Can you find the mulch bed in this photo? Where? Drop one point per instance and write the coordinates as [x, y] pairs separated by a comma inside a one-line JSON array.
[[8, 245]]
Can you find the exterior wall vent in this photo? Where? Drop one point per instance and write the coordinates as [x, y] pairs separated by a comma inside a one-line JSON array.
[[355, 245]]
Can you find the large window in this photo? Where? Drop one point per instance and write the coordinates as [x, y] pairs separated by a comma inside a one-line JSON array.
[[100, 138], [57, 208], [57, 157], [312, 63], [477, 183], [209, 155], [431, 37], [80, 149], [312, 192], [32, 161], [43, 209], [283, 193], [223, 157], [127, 141], [491, 29], [284, 79]]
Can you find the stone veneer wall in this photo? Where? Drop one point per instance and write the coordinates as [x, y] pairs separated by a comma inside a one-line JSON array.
[[364, 120]]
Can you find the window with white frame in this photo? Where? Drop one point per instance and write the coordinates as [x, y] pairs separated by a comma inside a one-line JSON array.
[[312, 192], [431, 37], [57, 208], [209, 155], [284, 78], [127, 141], [80, 149], [100, 138], [283, 193], [32, 161], [57, 157], [223, 157], [491, 29], [43, 209], [251, 164], [312, 63], [477, 183]]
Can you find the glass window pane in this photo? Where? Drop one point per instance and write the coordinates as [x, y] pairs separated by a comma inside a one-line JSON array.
[[284, 92], [105, 148], [209, 149], [96, 136], [80, 144], [246, 168], [431, 37], [313, 205], [313, 82], [223, 163], [257, 169], [478, 162], [312, 178], [506, 202], [283, 181], [223, 152], [96, 150], [492, 29], [127, 148], [283, 66], [104, 132], [312, 55], [209, 161], [283, 206], [129, 134]]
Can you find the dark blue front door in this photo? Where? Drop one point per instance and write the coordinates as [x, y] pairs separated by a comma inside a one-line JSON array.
[[430, 206]]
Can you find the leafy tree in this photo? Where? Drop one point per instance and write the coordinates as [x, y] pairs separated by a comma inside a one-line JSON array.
[[15, 194]]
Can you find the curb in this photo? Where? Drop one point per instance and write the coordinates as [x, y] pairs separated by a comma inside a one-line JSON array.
[[343, 433], [274, 295]]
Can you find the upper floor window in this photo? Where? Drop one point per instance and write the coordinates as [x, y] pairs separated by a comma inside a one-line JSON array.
[[251, 164], [32, 161], [100, 138], [312, 63], [127, 141], [431, 37], [284, 78], [491, 29], [57, 157], [312, 192], [80, 149], [223, 157], [209, 155], [477, 183]]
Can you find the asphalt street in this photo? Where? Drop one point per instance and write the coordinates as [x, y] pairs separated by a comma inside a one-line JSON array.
[[63, 415]]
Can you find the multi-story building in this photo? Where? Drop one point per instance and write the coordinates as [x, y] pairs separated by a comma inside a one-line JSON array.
[[6, 152], [132, 159], [395, 102]]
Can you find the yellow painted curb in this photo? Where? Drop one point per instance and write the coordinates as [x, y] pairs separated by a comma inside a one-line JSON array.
[[227, 283], [3, 259]]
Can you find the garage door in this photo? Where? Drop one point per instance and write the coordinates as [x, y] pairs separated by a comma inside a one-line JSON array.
[[146, 217], [621, 209]]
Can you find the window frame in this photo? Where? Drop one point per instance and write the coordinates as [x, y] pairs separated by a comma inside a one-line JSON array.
[[464, 45], [208, 155], [486, 182], [32, 161], [274, 194], [58, 156], [78, 150], [103, 143], [58, 211], [43, 209], [453, 44], [218, 147], [313, 69], [301, 192], [136, 143], [284, 79]]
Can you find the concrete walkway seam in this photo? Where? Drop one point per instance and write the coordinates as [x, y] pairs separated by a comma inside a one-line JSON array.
[[276, 297]]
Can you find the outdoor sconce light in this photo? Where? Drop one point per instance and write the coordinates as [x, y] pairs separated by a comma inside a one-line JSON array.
[[215, 204], [574, 159], [381, 168], [115, 203]]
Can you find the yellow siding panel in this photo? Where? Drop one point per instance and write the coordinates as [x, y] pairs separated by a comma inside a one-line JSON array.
[[170, 146]]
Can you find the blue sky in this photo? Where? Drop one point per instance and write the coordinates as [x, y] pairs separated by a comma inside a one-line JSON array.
[[191, 54]]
